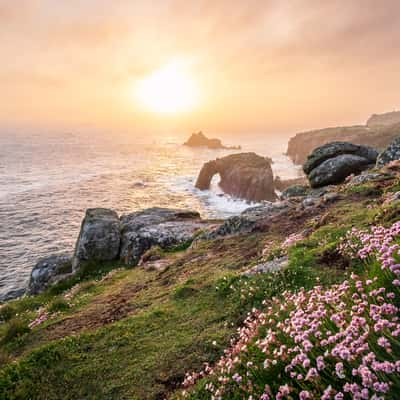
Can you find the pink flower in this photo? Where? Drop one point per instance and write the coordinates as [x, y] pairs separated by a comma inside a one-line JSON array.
[[304, 395]]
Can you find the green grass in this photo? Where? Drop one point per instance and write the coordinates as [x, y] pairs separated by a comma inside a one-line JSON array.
[[175, 315]]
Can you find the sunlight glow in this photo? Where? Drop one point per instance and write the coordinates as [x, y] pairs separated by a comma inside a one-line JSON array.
[[168, 90]]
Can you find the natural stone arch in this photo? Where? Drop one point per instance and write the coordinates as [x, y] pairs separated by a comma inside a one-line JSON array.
[[246, 175]]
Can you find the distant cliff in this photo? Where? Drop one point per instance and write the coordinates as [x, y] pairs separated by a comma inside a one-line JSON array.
[[378, 133], [386, 119]]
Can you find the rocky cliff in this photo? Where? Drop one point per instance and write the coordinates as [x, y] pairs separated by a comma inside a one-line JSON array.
[[385, 119], [376, 134], [247, 176]]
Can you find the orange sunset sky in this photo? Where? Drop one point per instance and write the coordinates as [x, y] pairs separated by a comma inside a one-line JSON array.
[[222, 66]]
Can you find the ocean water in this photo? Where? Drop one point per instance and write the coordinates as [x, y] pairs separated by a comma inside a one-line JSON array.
[[48, 181]]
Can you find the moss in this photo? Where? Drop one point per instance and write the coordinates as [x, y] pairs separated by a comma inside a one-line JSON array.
[[58, 305], [366, 189], [14, 329], [7, 311]]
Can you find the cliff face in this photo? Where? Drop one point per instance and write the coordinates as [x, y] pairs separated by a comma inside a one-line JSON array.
[[386, 119], [376, 136]]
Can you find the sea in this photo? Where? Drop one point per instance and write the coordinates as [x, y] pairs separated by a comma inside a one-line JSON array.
[[47, 181]]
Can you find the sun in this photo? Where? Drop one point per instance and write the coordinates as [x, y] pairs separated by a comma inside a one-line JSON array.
[[168, 90]]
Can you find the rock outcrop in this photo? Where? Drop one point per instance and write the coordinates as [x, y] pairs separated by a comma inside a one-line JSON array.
[[247, 220], [334, 149], [386, 119], [49, 271], [156, 227], [391, 153], [246, 176], [200, 140], [378, 133], [99, 238], [106, 237], [332, 163]]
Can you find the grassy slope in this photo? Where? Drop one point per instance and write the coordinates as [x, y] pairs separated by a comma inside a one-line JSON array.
[[135, 333]]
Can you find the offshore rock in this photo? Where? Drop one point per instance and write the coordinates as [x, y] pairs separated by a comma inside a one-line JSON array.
[[247, 176], [200, 140]]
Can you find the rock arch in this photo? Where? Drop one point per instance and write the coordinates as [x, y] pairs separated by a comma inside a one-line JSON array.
[[245, 175]]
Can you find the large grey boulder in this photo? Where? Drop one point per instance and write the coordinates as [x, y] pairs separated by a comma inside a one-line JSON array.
[[49, 271], [99, 238], [337, 169], [334, 149], [391, 153], [161, 227], [332, 163]]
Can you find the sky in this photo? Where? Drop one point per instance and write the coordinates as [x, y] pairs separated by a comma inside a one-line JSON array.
[[260, 66]]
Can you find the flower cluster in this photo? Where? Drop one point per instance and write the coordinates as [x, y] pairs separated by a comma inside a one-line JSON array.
[[292, 240], [42, 317], [327, 343]]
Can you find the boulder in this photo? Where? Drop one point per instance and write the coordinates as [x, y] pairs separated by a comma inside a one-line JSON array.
[[365, 178], [200, 140], [99, 238], [295, 191], [247, 220], [332, 163], [337, 169], [245, 175], [391, 153], [161, 227], [274, 265], [334, 149], [49, 271]]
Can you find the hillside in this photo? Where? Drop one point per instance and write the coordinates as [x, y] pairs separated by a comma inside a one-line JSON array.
[[133, 333]]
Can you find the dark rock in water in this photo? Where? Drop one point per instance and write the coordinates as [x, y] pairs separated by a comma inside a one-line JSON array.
[[200, 140], [391, 153], [337, 169], [332, 163], [246, 175], [156, 227], [99, 238], [49, 271], [334, 149]]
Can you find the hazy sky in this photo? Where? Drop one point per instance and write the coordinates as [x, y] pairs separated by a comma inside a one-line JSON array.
[[261, 65]]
